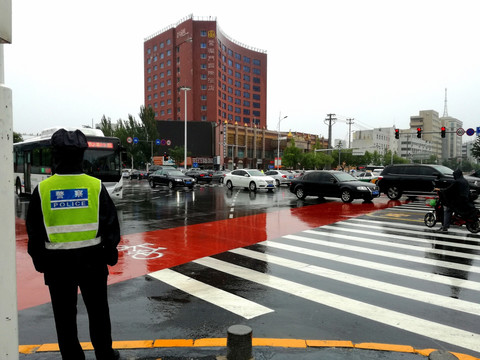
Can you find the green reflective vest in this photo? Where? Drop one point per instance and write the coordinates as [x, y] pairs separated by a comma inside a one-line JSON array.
[[70, 207]]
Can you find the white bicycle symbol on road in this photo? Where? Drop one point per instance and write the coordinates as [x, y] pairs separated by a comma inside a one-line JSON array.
[[142, 252]]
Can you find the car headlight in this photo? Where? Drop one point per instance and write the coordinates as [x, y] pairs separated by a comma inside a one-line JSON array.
[[362, 188], [178, 180]]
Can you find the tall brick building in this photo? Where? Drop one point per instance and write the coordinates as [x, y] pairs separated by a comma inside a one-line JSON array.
[[227, 84]]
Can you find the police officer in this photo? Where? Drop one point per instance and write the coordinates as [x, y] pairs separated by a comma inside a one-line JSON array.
[[73, 233]]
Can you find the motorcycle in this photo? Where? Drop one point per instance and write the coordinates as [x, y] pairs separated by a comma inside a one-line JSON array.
[[436, 214]]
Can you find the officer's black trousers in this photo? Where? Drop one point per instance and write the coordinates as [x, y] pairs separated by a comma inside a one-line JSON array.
[[63, 292]]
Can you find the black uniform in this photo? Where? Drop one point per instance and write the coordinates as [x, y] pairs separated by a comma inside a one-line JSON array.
[[86, 268]]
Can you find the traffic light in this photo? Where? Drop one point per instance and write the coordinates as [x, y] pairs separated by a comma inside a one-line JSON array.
[[443, 131], [397, 133], [419, 133]]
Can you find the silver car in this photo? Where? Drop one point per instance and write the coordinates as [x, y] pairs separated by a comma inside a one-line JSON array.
[[282, 177]]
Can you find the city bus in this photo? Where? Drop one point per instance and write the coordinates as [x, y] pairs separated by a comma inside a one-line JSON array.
[[33, 162]]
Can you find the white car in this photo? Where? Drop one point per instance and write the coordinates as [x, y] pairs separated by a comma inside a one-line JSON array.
[[251, 179]]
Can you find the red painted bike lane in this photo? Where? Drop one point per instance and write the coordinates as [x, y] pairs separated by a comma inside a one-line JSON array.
[[143, 253]]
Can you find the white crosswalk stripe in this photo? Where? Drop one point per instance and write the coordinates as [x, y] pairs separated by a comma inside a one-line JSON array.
[[365, 253]]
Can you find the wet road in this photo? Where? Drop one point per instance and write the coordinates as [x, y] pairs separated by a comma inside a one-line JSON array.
[[193, 263]]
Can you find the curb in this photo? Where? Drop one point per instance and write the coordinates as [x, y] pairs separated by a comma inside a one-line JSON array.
[[433, 354]]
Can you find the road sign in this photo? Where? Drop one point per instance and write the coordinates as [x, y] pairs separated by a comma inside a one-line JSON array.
[[129, 140], [460, 131], [135, 140], [470, 132], [169, 142], [478, 131], [157, 142]]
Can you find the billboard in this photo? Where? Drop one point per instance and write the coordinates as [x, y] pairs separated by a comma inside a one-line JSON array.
[[200, 136]]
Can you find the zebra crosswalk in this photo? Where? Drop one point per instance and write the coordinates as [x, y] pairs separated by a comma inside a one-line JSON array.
[[401, 275]]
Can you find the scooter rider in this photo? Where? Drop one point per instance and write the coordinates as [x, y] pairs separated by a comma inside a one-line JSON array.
[[456, 197]]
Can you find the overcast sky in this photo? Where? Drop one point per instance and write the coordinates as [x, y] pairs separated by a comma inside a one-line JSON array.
[[377, 61]]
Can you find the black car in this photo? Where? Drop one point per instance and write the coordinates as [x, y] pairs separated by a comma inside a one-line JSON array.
[[339, 184], [171, 178], [200, 175], [419, 179], [138, 174]]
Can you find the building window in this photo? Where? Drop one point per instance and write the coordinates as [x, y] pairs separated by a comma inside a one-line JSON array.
[[246, 59], [256, 71], [256, 80], [203, 107], [203, 76], [203, 45], [203, 56], [203, 33], [256, 62], [203, 97]]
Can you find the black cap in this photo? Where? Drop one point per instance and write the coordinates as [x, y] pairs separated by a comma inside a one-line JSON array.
[[69, 140]]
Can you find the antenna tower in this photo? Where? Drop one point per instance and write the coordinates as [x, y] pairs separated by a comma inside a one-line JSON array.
[[445, 110]]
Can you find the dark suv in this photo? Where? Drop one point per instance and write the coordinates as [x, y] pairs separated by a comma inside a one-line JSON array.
[[418, 179]]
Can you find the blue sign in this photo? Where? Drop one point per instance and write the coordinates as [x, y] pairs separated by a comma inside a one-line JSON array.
[[157, 142], [478, 131], [195, 165], [135, 140], [470, 132]]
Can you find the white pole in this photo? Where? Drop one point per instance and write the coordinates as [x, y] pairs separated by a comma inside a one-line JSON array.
[[8, 281], [185, 148], [278, 139], [185, 88]]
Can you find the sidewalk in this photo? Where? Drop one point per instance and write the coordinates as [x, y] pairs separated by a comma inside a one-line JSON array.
[[262, 349]]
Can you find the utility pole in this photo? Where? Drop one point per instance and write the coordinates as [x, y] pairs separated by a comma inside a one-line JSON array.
[[349, 122], [330, 120]]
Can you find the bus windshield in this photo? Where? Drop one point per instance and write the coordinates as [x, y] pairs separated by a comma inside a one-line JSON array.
[[102, 164]]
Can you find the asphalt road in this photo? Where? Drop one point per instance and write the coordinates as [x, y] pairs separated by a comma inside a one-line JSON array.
[[195, 262]]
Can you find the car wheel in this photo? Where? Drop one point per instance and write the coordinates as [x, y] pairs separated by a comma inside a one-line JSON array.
[[429, 219], [171, 185], [347, 196], [252, 186], [152, 184], [473, 227], [300, 193], [394, 193], [229, 185], [277, 182]]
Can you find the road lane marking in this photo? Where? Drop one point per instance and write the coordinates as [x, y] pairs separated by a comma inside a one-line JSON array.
[[387, 254], [394, 244], [233, 303], [371, 284], [421, 275], [430, 329]]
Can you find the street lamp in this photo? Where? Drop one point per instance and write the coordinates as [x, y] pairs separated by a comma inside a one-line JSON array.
[[185, 88], [278, 139]]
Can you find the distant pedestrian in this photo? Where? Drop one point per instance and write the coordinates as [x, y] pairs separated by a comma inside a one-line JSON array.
[[73, 233]]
